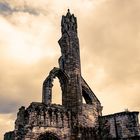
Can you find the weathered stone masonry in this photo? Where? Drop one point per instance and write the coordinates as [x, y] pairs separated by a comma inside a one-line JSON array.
[[73, 120], [121, 125]]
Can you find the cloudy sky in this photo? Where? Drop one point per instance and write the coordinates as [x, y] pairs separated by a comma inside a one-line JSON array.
[[109, 33]]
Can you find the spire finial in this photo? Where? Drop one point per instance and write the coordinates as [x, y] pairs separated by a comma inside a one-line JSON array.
[[68, 13]]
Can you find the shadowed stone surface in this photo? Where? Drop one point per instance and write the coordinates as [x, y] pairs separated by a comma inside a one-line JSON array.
[[73, 120]]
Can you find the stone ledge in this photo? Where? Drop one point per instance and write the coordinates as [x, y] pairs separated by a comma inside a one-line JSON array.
[[120, 114]]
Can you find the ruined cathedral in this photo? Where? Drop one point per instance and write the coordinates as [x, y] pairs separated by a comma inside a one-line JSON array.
[[73, 120]]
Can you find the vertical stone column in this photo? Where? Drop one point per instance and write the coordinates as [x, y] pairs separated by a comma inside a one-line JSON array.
[[47, 91]]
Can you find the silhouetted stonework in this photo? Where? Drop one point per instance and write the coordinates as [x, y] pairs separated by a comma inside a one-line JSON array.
[[73, 120]]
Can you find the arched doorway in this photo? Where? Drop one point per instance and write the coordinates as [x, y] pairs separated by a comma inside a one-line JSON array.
[[48, 136]]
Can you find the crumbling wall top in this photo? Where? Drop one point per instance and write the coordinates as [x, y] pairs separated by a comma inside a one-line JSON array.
[[68, 23]]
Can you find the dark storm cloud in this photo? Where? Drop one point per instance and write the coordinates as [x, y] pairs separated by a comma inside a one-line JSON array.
[[7, 9], [7, 106]]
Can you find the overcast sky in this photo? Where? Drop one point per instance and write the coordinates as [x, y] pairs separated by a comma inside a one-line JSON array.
[[109, 34]]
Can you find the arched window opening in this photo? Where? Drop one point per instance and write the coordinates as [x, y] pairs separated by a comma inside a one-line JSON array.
[[86, 96], [56, 92]]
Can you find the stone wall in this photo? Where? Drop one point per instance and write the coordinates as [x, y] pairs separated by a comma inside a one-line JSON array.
[[39, 118], [89, 117], [120, 125]]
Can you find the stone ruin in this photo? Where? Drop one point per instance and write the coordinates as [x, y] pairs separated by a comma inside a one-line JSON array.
[[73, 120]]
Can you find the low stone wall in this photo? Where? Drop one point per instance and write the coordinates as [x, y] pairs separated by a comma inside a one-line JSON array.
[[121, 125]]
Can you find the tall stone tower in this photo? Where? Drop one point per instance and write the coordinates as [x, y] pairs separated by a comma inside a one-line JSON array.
[[73, 120], [69, 64]]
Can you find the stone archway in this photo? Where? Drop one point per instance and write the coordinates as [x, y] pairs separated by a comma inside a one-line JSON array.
[[48, 84], [48, 136], [87, 93]]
